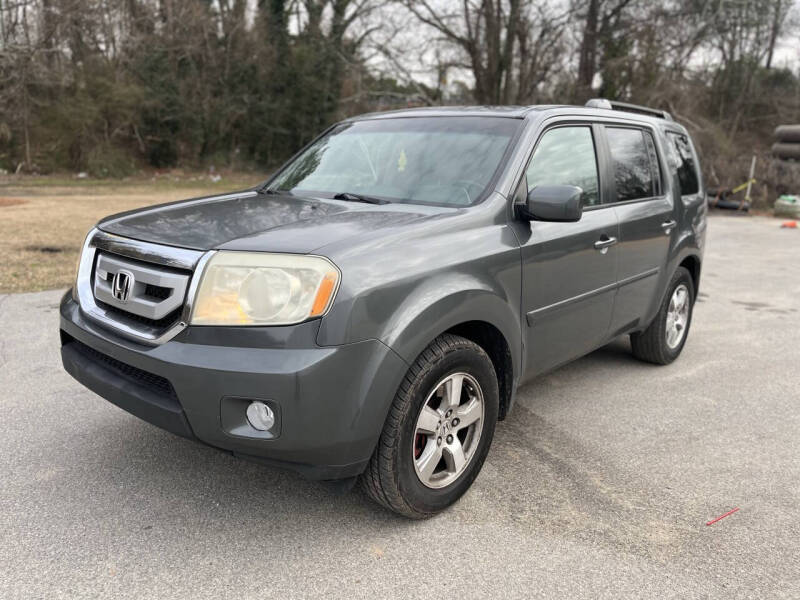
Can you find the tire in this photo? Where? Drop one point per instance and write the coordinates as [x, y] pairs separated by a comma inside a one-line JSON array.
[[654, 344], [787, 133], [397, 470], [786, 151]]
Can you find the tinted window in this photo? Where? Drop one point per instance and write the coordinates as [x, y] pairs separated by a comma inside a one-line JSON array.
[[424, 160], [565, 156], [682, 161], [633, 169]]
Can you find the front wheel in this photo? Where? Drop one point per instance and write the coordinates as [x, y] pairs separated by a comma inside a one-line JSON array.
[[663, 340], [438, 431]]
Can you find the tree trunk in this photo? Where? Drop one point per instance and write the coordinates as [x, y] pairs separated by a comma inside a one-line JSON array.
[[587, 62], [774, 32]]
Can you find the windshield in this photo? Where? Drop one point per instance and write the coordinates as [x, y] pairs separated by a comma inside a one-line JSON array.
[[423, 160]]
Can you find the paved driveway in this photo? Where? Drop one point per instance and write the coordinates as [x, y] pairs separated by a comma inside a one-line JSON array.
[[598, 485]]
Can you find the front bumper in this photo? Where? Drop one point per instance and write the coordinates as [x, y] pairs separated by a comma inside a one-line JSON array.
[[331, 401]]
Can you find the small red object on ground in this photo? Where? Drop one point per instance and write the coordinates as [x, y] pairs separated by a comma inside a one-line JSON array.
[[789, 225], [730, 512]]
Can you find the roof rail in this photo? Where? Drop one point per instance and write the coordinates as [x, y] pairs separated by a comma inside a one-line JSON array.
[[624, 106]]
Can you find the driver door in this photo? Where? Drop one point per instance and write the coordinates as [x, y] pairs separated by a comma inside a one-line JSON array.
[[569, 270]]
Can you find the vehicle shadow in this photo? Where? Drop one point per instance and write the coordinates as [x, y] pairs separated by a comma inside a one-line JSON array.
[[553, 478], [535, 473]]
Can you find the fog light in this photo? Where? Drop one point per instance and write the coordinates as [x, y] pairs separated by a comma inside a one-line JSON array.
[[260, 416]]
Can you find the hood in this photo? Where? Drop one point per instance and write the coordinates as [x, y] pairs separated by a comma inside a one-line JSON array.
[[261, 222]]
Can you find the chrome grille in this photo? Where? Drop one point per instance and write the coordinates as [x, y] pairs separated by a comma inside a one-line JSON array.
[[142, 291], [139, 278]]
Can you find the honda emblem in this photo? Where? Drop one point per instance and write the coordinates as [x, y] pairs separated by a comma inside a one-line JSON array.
[[121, 285]]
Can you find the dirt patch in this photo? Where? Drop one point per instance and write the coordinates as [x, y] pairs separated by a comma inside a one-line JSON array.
[[11, 201], [41, 235], [47, 249]]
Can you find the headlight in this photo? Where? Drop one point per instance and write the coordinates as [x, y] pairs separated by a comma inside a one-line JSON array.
[[249, 288]]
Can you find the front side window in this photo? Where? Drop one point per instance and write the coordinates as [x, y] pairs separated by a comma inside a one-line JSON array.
[[566, 156], [682, 162], [634, 172], [423, 160]]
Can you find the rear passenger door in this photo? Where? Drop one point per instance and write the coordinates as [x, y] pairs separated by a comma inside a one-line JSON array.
[[569, 270], [646, 222]]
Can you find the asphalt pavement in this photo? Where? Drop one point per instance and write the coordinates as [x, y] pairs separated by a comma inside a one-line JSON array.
[[598, 485]]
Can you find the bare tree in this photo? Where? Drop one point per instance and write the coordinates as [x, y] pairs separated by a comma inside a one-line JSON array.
[[508, 45], [780, 10], [604, 38], [108, 86]]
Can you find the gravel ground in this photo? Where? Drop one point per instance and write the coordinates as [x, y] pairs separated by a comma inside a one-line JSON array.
[[599, 485]]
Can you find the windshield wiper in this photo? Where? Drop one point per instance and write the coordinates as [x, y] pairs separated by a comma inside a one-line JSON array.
[[358, 198]]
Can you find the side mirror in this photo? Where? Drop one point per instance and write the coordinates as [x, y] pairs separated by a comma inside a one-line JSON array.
[[561, 203]]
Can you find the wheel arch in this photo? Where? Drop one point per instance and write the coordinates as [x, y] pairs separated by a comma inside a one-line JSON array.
[[492, 340], [692, 263], [479, 316]]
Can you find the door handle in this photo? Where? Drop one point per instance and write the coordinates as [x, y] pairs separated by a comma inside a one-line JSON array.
[[667, 226], [604, 244]]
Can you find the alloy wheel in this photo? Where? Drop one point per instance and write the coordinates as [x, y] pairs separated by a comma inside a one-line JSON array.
[[677, 316], [448, 430]]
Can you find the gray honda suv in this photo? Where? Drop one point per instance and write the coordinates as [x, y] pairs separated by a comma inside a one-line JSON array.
[[369, 312]]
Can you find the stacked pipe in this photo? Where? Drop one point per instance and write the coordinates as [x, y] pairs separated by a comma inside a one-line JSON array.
[[787, 146]]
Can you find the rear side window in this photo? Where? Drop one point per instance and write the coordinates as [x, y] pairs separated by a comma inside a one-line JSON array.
[[636, 171], [566, 156], [683, 163]]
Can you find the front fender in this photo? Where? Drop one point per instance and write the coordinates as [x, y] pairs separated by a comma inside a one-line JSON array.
[[408, 289], [408, 315], [424, 316]]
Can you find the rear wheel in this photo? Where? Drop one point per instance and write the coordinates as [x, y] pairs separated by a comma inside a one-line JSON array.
[[663, 340], [438, 431]]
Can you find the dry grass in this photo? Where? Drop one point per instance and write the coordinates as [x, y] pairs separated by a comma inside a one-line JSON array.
[[42, 226]]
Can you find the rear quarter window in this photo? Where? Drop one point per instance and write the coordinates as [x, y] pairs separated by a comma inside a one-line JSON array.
[[683, 163]]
